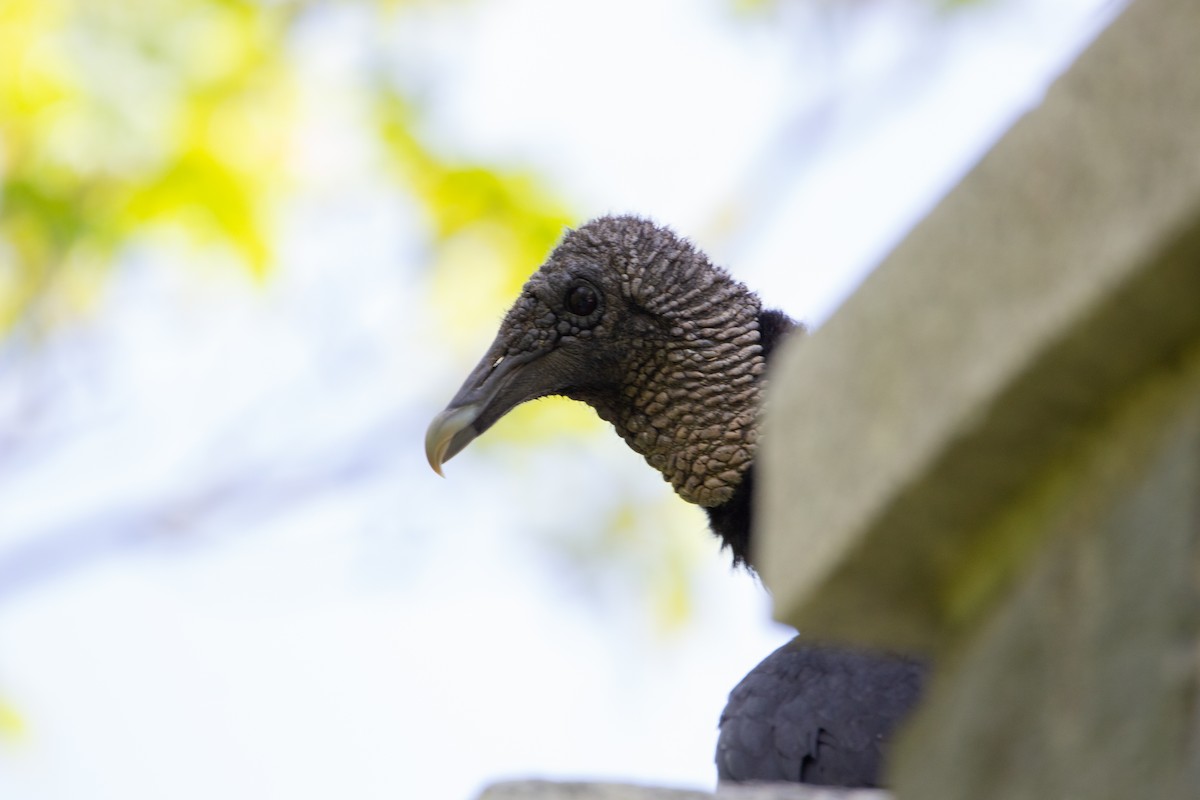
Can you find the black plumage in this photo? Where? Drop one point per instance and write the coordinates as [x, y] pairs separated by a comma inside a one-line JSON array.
[[631, 319], [816, 714]]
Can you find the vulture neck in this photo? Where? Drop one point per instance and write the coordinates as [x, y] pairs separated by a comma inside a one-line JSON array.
[[690, 397], [699, 425]]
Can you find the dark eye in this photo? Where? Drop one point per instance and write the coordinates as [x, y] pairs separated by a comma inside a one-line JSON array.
[[581, 300]]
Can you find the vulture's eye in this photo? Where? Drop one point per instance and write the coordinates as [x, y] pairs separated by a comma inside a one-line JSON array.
[[581, 300]]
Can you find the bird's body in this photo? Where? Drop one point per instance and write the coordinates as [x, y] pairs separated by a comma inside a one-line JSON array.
[[816, 714], [637, 323]]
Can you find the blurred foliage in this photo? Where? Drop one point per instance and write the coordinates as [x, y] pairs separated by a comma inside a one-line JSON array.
[[668, 578], [124, 121], [12, 727], [118, 116], [127, 124], [480, 216], [173, 123], [477, 216]]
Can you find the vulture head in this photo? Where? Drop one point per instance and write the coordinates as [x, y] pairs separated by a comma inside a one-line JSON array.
[[633, 320]]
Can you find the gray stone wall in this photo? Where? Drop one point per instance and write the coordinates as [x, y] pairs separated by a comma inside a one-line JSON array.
[[1082, 681], [991, 453], [1061, 271]]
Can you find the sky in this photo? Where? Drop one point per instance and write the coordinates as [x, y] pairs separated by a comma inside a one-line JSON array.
[[390, 633]]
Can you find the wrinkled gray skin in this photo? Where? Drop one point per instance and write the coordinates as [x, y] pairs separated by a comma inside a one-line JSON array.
[[634, 321], [668, 353]]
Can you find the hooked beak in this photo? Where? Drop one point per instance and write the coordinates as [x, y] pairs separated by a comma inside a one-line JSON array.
[[450, 432], [498, 384]]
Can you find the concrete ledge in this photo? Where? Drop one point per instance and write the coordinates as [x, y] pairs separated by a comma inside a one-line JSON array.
[[553, 790], [1061, 270], [1081, 680]]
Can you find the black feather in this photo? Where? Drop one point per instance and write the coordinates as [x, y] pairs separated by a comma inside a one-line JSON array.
[[816, 714]]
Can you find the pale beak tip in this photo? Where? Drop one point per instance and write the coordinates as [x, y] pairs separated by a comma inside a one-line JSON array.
[[436, 460], [447, 434], [435, 448]]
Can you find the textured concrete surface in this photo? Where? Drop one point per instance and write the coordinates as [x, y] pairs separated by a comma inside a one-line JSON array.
[[992, 451], [552, 790], [1062, 270], [1084, 681]]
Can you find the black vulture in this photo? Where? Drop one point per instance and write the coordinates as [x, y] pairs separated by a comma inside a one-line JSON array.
[[633, 320]]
